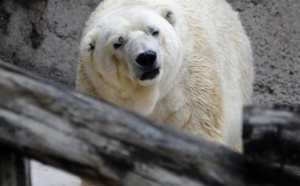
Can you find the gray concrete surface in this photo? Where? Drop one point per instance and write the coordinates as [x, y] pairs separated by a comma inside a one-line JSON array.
[[274, 29], [43, 36]]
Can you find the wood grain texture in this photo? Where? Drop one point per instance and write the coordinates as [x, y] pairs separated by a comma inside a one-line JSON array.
[[103, 142]]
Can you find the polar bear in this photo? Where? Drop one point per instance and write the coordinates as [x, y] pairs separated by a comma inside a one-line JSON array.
[[186, 63]]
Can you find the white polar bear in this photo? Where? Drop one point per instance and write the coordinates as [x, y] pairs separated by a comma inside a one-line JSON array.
[[187, 63]]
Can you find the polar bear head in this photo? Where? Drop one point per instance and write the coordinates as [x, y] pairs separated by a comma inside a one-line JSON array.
[[132, 46]]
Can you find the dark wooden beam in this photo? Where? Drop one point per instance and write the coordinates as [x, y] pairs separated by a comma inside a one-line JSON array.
[[14, 169]]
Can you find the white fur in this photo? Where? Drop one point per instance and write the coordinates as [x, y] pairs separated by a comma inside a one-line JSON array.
[[205, 55]]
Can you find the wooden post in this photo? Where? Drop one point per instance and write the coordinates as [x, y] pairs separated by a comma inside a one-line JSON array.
[[14, 170]]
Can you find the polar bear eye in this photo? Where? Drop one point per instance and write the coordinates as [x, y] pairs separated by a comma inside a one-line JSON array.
[[120, 43], [155, 33], [117, 45]]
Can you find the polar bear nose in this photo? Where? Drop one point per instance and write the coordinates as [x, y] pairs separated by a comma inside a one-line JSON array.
[[146, 59]]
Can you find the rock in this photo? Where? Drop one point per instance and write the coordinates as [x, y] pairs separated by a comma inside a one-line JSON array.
[[43, 35]]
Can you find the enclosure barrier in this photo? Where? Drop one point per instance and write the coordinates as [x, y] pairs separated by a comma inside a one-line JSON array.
[[96, 140]]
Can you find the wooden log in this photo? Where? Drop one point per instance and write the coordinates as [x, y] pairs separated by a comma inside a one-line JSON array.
[[272, 134], [101, 141], [14, 169]]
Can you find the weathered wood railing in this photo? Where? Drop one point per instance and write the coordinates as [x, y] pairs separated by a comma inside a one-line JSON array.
[[97, 140]]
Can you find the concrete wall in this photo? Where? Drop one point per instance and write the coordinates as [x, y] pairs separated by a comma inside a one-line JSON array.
[[274, 29], [43, 36]]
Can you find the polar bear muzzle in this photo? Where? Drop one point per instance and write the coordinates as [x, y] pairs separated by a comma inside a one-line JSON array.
[[150, 74]]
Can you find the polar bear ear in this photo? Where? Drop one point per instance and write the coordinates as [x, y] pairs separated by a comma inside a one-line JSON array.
[[89, 41], [167, 13], [88, 45]]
